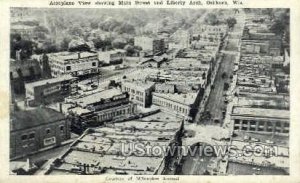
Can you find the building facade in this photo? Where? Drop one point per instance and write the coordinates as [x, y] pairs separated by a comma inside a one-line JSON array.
[[261, 120], [103, 106], [140, 92], [50, 90], [179, 104], [76, 64], [154, 45], [112, 57], [33, 130]]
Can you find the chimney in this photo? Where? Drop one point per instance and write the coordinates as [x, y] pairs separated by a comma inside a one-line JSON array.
[[60, 107], [84, 168], [78, 55], [18, 55]]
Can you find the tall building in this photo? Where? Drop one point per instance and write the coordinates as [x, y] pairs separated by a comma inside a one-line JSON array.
[[140, 92], [153, 45], [112, 57]]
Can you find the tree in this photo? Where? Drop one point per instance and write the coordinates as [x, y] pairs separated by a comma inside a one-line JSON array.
[[82, 47], [76, 31], [94, 25], [281, 23], [226, 86], [211, 19], [278, 27], [231, 22], [119, 43], [204, 76], [64, 45], [129, 50]]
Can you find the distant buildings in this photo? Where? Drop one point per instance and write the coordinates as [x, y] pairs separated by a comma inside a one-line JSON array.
[[23, 71], [262, 100], [209, 33], [140, 91], [112, 57], [179, 40], [155, 61], [25, 31], [34, 130], [261, 43], [76, 64], [50, 90], [152, 46]]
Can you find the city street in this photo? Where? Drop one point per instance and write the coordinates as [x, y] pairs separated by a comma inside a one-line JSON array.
[[215, 105], [216, 99]]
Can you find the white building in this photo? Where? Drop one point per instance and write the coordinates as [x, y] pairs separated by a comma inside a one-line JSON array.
[[140, 92], [180, 104], [112, 57], [76, 64]]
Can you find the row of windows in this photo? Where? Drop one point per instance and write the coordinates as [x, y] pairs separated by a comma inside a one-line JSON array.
[[270, 129], [133, 91], [261, 123], [31, 135], [170, 106], [116, 113], [68, 68], [141, 99]]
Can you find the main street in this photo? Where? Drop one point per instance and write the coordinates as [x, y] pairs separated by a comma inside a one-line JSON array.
[[214, 104]]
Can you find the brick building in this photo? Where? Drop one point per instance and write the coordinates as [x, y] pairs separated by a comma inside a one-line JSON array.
[[49, 90], [33, 130]]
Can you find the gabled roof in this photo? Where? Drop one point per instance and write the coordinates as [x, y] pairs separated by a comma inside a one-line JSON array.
[[30, 118]]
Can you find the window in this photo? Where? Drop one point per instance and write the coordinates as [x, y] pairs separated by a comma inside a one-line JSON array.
[[236, 121], [278, 124], [48, 130], [24, 137], [61, 128], [68, 68], [32, 135]]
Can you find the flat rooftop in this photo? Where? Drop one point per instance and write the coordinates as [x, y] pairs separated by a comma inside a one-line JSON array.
[[65, 56], [105, 147], [186, 63], [96, 97], [261, 112], [266, 102], [49, 81], [138, 84], [186, 99], [112, 52]]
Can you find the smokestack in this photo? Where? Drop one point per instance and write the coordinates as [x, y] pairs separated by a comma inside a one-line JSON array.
[[78, 55]]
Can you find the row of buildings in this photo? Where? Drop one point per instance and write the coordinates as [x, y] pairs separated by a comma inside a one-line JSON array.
[[175, 85], [133, 147], [262, 104]]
